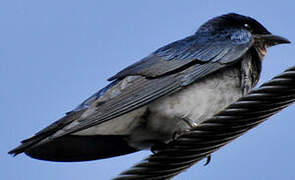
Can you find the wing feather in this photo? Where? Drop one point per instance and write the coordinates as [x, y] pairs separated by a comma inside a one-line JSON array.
[[141, 92], [225, 47]]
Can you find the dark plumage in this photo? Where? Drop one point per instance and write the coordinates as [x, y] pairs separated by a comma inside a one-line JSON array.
[[169, 91]]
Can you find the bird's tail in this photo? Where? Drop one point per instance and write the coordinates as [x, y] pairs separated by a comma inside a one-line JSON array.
[[25, 144], [72, 147]]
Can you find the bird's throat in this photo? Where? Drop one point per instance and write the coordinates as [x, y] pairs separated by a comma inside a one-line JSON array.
[[261, 50]]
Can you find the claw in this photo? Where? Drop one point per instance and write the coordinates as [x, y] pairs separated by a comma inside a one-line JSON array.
[[188, 122], [208, 160], [175, 135]]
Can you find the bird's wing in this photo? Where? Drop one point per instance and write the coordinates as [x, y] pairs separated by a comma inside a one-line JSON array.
[[224, 47], [131, 93]]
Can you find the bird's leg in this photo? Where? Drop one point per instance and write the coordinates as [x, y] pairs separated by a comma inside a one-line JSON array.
[[184, 124], [189, 122], [175, 135], [181, 128]]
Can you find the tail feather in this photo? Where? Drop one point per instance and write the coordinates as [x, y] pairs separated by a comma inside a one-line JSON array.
[[72, 147], [27, 143], [77, 148]]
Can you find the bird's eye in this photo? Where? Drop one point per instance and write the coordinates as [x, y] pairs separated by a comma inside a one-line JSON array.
[[247, 26]]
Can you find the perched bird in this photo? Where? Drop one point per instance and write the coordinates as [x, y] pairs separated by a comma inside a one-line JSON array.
[[170, 91]]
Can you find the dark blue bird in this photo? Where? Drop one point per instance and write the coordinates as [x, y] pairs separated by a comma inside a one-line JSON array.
[[171, 90]]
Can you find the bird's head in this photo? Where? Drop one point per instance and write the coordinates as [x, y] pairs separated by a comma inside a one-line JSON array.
[[229, 22]]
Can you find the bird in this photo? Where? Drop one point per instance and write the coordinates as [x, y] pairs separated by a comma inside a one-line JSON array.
[[166, 93]]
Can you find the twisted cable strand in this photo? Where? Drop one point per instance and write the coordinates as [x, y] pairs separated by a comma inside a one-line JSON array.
[[210, 135]]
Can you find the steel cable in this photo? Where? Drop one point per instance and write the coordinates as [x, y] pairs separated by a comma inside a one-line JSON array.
[[199, 142]]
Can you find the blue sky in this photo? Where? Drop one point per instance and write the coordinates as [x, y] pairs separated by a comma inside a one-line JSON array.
[[54, 54]]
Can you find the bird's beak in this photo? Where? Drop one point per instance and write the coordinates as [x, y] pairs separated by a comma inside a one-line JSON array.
[[272, 40]]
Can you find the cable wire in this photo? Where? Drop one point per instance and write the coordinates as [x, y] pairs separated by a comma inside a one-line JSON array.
[[211, 134]]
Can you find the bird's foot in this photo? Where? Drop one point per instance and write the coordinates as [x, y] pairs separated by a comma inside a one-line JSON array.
[[185, 124], [189, 122]]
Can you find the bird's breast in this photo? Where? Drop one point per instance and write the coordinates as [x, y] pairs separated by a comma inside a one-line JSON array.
[[200, 100], [203, 98]]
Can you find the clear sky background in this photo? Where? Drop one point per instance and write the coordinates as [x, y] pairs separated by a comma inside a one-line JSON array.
[[54, 54]]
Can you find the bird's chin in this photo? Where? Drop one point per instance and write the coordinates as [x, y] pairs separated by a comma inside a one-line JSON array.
[[261, 51]]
